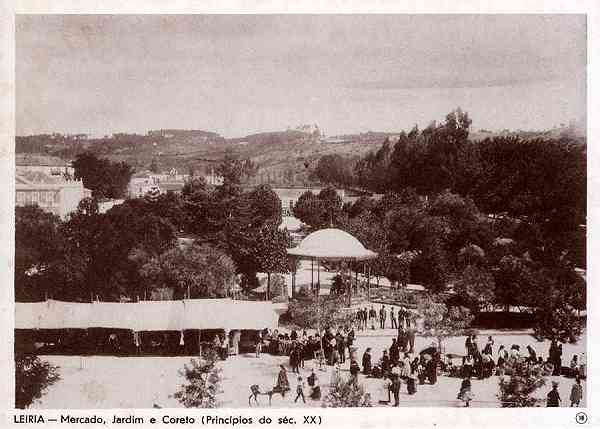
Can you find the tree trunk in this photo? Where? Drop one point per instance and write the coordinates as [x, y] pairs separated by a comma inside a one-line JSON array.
[[268, 292]]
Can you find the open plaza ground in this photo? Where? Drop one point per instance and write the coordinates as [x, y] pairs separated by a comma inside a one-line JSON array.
[[144, 382]]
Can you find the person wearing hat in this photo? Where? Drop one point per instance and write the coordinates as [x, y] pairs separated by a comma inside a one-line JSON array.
[[553, 398]]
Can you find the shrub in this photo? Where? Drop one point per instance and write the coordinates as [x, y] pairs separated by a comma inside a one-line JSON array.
[[203, 382], [32, 377], [347, 393], [516, 391]]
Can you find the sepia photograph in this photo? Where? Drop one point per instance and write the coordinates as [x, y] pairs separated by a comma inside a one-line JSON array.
[[216, 211]]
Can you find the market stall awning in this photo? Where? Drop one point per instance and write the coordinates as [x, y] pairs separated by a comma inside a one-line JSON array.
[[149, 315]]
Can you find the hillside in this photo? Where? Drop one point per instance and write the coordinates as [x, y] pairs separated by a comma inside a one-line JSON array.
[[284, 157]]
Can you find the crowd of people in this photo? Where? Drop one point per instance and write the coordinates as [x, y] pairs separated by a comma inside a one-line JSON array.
[[400, 364]]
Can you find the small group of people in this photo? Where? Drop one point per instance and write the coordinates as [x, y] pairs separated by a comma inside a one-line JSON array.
[[283, 385], [369, 319], [396, 367], [553, 398]]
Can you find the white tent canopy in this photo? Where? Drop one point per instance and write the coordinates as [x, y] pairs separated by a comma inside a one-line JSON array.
[[148, 315]]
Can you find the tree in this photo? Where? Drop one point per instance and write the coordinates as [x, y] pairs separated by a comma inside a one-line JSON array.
[[104, 178], [334, 170], [347, 393], [512, 278], [265, 206], [441, 321], [203, 382], [270, 253], [308, 209], [516, 390], [556, 295], [33, 376], [475, 287], [195, 272], [39, 245]]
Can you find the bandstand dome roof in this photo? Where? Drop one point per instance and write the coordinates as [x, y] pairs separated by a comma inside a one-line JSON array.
[[331, 243]]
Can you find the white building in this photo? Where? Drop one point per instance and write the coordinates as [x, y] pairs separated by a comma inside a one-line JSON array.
[[54, 194]]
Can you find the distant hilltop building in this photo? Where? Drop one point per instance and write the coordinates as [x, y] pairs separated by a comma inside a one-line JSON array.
[[50, 165], [55, 194]]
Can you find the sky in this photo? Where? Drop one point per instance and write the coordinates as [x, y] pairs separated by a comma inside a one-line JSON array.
[[241, 74]]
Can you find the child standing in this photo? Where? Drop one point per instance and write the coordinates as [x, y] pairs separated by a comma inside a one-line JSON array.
[[576, 393], [300, 390]]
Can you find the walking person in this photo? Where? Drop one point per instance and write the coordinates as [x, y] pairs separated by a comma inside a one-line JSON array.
[[393, 318], [553, 398], [382, 317], [300, 390], [576, 393]]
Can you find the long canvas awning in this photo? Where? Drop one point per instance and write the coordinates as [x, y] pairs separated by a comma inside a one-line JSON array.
[[149, 315]]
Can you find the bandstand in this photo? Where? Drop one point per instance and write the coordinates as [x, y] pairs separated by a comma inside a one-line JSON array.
[[330, 244]]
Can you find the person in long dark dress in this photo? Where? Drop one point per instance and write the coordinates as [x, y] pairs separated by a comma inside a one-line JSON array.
[[468, 345], [354, 370], [488, 346], [340, 343], [385, 363], [283, 384], [411, 383], [313, 382], [366, 361], [431, 369], [394, 351]]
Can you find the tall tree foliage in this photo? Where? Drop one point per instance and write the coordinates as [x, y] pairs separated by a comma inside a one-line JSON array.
[[104, 178], [193, 272]]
